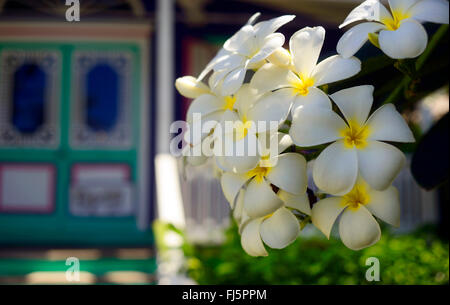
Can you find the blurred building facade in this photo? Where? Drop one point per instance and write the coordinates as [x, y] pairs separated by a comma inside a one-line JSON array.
[[75, 136]]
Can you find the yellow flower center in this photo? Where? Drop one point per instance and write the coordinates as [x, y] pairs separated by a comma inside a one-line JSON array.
[[355, 135], [393, 23], [241, 129], [229, 102], [259, 173], [268, 216], [301, 85], [356, 197]]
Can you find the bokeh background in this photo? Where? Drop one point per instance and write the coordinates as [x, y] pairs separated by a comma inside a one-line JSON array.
[[85, 169]]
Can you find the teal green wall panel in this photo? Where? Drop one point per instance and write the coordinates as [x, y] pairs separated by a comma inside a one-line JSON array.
[[60, 227]]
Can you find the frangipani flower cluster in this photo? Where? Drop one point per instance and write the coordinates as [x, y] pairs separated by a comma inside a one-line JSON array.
[[284, 110]]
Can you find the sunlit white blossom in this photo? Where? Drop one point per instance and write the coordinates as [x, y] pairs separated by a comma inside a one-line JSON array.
[[398, 32], [358, 229], [297, 85], [357, 142], [277, 230], [284, 172], [246, 49]]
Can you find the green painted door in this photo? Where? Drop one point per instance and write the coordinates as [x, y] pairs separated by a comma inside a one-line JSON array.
[[70, 166]]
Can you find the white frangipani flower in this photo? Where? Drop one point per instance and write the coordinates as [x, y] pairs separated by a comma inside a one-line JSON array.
[[358, 229], [252, 116], [277, 230], [222, 54], [260, 199], [356, 142], [247, 49], [291, 201], [298, 83], [286, 171], [209, 107], [398, 33]]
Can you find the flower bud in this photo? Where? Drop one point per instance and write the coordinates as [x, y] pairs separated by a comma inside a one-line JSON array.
[[190, 87], [281, 57]]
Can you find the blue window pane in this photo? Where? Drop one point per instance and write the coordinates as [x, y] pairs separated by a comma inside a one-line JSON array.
[[28, 98], [102, 91]]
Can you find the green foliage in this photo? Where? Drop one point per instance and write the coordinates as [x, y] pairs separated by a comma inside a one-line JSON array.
[[419, 258]]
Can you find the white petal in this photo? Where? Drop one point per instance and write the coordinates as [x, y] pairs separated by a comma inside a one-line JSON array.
[[273, 143], [305, 46], [231, 185], [253, 18], [233, 81], [281, 57], [280, 230], [222, 134], [204, 104], [298, 202], [289, 173], [315, 98], [204, 126], [284, 142], [358, 229], [325, 212], [408, 41], [313, 126], [336, 169], [260, 200], [242, 41], [379, 164], [431, 11], [228, 116], [270, 44], [251, 238], [370, 10], [271, 107], [231, 62], [401, 5], [190, 87], [222, 164], [270, 77], [246, 97], [215, 81], [245, 219], [239, 207], [385, 205], [220, 56], [335, 68], [387, 124], [355, 103], [356, 37], [265, 28], [242, 155]]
